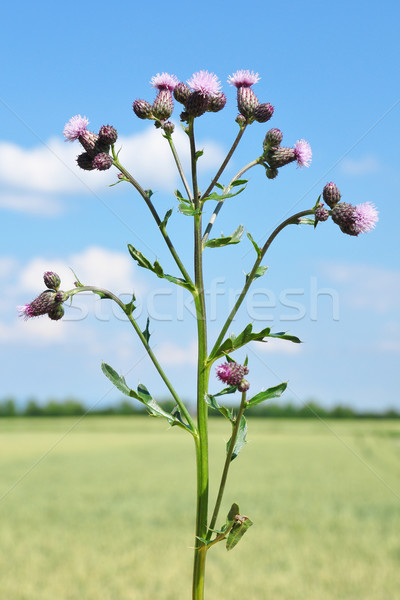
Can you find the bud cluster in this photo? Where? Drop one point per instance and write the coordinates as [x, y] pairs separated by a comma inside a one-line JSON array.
[[49, 302], [96, 146], [248, 104], [233, 374]]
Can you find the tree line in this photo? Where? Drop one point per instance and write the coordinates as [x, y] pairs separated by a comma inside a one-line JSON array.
[[71, 407]]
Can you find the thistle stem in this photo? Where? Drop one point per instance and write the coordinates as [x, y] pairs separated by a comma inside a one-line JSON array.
[[179, 167], [228, 460]]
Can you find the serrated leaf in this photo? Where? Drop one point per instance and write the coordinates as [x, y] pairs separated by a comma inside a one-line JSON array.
[[238, 530], [116, 379], [166, 218], [272, 392], [256, 246], [225, 241], [239, 182], [259, 273], [188, 209], [130, 306], [240, 440], [233, 342], [146, 332], [141, 260], [223, 196]]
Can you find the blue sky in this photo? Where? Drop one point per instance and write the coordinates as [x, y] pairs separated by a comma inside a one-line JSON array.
[[331, 72]]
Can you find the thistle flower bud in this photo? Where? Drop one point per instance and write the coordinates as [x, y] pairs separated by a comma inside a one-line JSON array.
[[108, 134], [273, 139], [240, 120], [331, 194], [263, 112], [142, 109], [247, 102], [163, 105], [56, 313], [243, 386], [182, 93], [102, 161], [168, 127], [196, 104], [51, 280], [278, 157], [271, 173], [88, 139], [321, 213], [217, 102], [85, 161]]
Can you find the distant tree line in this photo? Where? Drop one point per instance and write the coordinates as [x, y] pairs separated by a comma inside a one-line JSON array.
[[71, 407]]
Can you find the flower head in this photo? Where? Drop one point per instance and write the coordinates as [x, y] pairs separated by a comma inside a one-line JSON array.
[[354, 220], [51, 280], [243, 78], [165, 81], [75, 128], [204, 83], [303, 153], [365, 217], [331, 194], [231, 373]]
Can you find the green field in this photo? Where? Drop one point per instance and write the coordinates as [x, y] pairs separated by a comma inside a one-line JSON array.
[[105, 512]]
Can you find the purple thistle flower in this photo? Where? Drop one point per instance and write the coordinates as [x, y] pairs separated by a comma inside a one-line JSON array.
[[243, 78], [321, 213], [303, 153], [204, 83], [165, 81], [365, 217], [75, 128], [39, 306], [331, 194], [354, 220], [102, 161], [231, 373]]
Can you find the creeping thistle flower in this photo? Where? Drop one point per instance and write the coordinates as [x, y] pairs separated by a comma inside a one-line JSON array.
[[85, 161], [243, 78], [303, 153], [247, 101], [47, 303], [163, 105], [205, 83], [217, 102], [102, 161], [182, 93], [76, 129], [263, 112], [273, 139], [231, 373], [165, 81], [354, 220], [108, 134], [331, 194]]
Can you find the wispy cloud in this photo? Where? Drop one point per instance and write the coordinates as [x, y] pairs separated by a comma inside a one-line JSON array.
[[51, 169], [365, 165]]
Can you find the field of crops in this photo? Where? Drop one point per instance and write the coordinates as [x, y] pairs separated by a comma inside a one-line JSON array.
[[105, 511]]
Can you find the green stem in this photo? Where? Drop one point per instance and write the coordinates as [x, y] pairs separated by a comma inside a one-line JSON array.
[[250, 278], [225, 162], [157, 219], [179, 167], [228, 461], [111, 296], [211, 222], [201, 441]]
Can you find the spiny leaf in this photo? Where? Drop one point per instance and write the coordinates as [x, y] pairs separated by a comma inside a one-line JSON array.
[[272, 392], [259, 273], [240, 440], [225, 241]]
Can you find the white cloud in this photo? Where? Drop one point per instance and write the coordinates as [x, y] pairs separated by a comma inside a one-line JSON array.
[[51, 168], [365, 286], [45, 206], [365, 165]]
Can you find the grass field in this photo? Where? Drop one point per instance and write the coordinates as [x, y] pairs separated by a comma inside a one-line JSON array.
[[105, 512]]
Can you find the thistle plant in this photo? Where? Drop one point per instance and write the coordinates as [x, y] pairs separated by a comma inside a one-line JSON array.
[[200, 95]]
